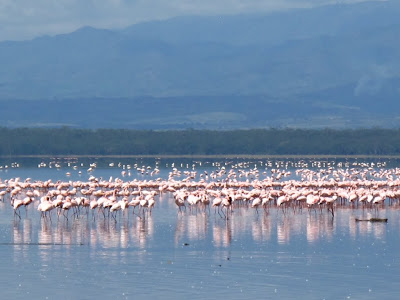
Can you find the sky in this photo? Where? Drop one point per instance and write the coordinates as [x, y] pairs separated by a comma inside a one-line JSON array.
[[27, 19]]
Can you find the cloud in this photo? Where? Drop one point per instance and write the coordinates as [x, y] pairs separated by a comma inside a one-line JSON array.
[[24, 19], [372, 82]]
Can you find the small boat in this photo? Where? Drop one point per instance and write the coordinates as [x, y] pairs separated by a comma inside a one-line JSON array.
[[372, 220]]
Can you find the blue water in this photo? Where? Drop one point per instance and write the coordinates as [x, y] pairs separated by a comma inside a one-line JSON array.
[[166, 255]]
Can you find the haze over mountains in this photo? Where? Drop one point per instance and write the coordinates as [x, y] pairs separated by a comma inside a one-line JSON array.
[[333, 66]]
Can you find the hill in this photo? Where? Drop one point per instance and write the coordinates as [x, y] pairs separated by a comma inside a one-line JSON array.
[[332, 66]]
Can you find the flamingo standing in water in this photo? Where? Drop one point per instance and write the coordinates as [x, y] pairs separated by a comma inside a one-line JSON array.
[[227, 204], [114, 208], [135, 202], [66, 206], [151, 203], [119, 206], [217, 203], [45, 207], [180, 200], [180, 203], [2, 194], [25, 202], [256, 203], [16, 204], [144, 203], [93, 205], [205, 201], [312, 200], [282, 200]]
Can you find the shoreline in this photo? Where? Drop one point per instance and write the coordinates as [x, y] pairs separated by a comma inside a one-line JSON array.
[[230, 156]]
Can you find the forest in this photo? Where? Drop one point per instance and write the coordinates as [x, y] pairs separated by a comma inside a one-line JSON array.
[[70, 141]]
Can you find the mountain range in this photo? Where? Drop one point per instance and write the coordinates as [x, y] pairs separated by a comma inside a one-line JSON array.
[[334, 66]]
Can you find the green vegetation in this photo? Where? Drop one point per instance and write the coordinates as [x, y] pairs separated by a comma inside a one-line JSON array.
[[67, 141]]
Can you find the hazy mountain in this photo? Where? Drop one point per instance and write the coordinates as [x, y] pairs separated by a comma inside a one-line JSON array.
[[336, 66]]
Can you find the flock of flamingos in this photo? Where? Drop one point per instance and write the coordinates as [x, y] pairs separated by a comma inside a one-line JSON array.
[[220, 192]]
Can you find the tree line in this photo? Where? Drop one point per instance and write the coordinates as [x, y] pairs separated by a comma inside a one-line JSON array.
[[69, 141]]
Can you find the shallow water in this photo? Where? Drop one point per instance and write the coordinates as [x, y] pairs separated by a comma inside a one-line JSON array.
[[167, 255]]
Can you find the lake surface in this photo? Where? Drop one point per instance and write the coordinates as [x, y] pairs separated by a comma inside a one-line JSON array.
[[197, 255]]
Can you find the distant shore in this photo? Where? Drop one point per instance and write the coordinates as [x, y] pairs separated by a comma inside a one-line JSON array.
[[230, 156], [255, 143]]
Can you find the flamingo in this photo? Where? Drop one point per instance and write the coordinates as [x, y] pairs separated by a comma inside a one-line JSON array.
[[151, 204], [114, 208], [143, 204], [227, 203], [180, 203], [217, 203], [26, 201], [256, 203], [16, 204], [66, 206], [45, 207], [2, 194]]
